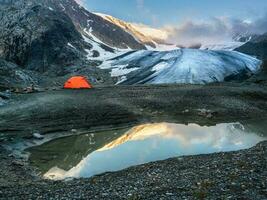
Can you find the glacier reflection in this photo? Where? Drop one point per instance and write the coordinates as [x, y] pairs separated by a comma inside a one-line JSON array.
[[152, 142]]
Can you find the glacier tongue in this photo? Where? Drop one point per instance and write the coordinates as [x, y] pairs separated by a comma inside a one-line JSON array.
[[192, 66]]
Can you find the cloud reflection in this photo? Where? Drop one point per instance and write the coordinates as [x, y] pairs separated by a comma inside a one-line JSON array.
[[151, 142]]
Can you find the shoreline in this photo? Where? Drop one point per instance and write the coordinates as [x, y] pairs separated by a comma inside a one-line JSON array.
[[219, 175]]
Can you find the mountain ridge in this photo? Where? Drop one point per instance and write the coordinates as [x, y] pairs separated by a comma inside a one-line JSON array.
[[48, 38], [145, 34], [52, 40]]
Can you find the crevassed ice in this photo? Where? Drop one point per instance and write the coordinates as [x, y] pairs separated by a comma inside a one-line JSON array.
[[193, 66]]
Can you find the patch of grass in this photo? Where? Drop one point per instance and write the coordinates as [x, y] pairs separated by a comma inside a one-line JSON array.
[[254, 95], [200, 194], [206, 184]]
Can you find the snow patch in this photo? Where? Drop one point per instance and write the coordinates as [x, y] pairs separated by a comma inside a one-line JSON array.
[[98, 46], [104, 55], [121, 70], [69, 44], [63, 8]]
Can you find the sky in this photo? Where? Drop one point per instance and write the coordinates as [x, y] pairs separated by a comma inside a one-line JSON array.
[[159, 13], [190, 22]]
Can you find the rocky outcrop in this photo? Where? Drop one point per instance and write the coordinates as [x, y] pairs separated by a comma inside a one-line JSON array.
[[13, 76], [36, 38], [256, 47]]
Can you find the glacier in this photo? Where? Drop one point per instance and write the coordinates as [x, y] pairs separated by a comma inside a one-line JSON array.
[[184, 66]]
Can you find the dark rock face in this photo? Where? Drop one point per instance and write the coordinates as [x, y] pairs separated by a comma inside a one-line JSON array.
[[36, 38], [13, 76], [256, 47]]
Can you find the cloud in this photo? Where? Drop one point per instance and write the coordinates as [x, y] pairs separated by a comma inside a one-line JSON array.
[[259, 26], [215, 30], [191, 32]]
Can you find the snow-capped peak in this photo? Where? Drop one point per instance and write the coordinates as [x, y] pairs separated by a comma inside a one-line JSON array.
[[152, 37]]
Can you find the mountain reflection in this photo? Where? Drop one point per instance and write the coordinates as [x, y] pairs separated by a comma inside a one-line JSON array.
[[152, 142]]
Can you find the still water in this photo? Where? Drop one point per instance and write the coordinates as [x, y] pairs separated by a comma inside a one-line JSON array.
[[91, 154]]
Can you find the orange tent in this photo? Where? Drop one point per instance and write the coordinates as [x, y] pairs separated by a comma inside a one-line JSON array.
[[77, 82]]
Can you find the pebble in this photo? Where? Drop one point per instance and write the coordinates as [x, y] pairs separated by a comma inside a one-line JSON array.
[[17, 163], [38, 136]]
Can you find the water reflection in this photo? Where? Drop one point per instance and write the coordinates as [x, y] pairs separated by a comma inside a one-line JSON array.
[[153, 142]]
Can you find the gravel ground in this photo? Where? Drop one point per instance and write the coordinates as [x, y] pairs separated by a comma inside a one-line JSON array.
[[233, 175], [64, 110]]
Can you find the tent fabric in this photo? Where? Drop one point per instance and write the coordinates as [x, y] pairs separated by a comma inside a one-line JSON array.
[[77, 82]]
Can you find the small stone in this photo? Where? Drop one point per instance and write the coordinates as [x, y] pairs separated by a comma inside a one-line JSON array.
[[169, 193], [209, 115], [17, 163], [38, 136], [73, 130], [186, 111]]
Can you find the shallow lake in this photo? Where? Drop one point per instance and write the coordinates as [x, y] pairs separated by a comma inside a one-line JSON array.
[[95, 153]]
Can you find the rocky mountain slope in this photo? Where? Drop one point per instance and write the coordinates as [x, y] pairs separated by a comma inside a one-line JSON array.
[[56, 39], [36, 38], [257, 46], [45, 42], [105, 31]]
